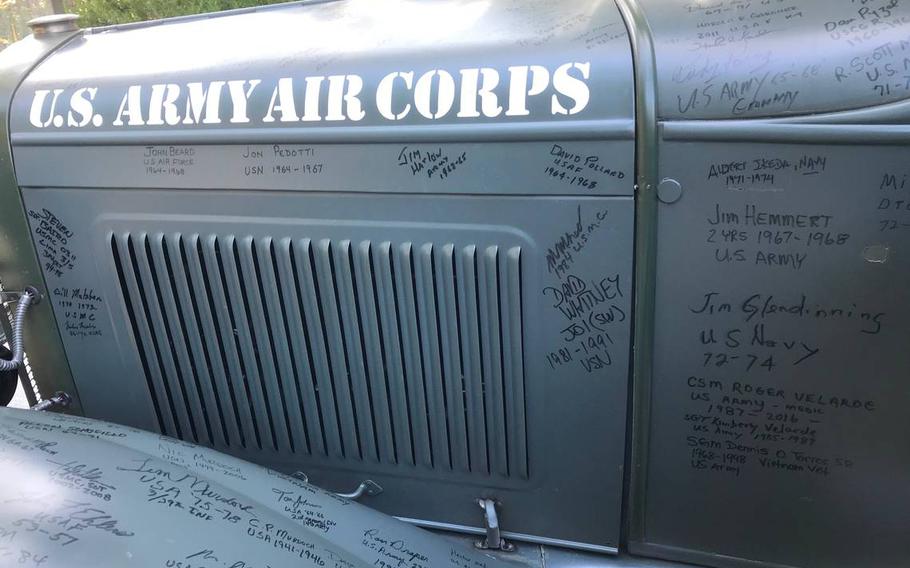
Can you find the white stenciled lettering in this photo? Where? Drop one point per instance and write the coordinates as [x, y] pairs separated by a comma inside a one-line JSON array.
[[38, 101], [311, 99], [520, 90], [282, 101], [81, 109], [445, 93], [573, 87], [202, 104], [384, 95], [344, 91], [240, 92], [434, 94], [164, 102], [131, 106], [479, 84]]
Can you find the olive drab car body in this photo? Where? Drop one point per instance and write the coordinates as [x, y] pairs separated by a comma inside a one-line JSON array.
[[631, 270]]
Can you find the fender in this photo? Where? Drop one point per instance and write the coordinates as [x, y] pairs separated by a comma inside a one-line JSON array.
[[81, 492]]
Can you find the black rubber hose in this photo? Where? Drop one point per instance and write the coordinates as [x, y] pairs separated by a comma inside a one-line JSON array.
[[9, 380]]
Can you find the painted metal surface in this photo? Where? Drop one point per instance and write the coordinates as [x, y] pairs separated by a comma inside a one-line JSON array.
[[646, 176], [430, 286], [397, 261], [437, 167], [730, 59], [767, 428], [780, 321], [783, 455], [20, 265], [339, 64], [81, 492]]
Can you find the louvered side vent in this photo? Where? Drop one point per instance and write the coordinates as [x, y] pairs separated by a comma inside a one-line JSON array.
[[385, 353]]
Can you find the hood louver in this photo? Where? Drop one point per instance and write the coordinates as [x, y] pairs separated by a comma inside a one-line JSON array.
[[400, 354]]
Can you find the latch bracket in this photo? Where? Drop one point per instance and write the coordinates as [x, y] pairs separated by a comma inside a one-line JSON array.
[[11, 296], [493, 539], [367, 487], [59, 399]]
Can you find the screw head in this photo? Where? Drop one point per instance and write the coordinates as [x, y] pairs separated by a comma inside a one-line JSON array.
[[669, 190]]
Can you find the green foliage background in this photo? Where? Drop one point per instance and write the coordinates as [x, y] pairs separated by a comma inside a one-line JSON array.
[[15, 13], [104, 12]]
